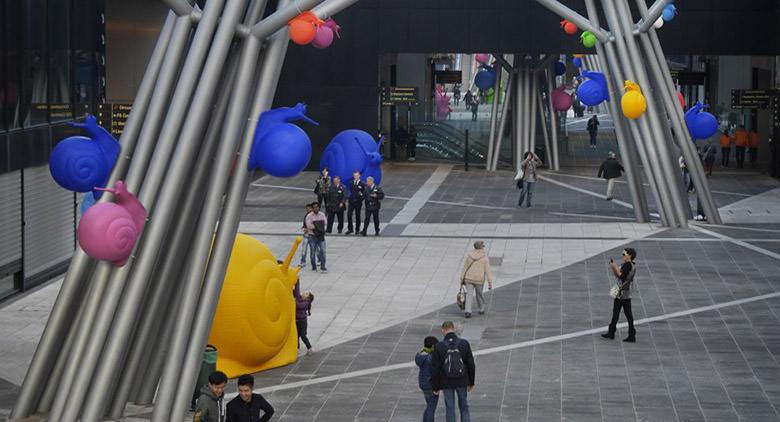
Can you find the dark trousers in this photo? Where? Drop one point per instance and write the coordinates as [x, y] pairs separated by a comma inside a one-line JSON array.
[[626, 305], [321, 199], [593, 137], [724, 156], [740, 157], [339, 215], [302, 325], [354, 208], [413, 149], [370, 213], [753, 156]]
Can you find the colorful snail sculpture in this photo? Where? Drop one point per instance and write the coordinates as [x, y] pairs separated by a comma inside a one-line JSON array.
[[670, 11], [701, 124], [280, 148], [87, 200], [79, 163], [593, 91], [482, 58], [681, 99], [108, 231], [254, 324], [303, 28], [485, 78], [351, 150], [568, 27], [577, 62], [442, 105], [325, 33], [633, 103], [560, 68], [588, 39], [561, 99]]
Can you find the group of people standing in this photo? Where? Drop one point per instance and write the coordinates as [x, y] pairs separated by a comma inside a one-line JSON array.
[[338, 198], [743, 141]]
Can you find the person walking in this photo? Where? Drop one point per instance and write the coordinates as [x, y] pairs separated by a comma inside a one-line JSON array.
[[593, 130], [321, 186], [725, 148], [468, 98], [246, 407], [424, 360], [526, 178], [357, 194], [411, 143], [474, 108], [209, 407], [610, 169], [336, 204], [453, 372], [476, 271], [753, 142], [741, 142], [302, 313], [315, 226], [456, 94], [687, 181], [374, 194], [708, 157], [305, 242], [621, 292]]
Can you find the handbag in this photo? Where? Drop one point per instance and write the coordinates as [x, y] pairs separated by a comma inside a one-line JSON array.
[[460, 298], [614, 292]]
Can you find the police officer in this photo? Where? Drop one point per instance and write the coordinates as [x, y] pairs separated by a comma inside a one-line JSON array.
[[336, 202], [374, 194], [357, 194]]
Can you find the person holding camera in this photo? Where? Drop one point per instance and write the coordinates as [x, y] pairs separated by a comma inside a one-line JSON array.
[[621, 292]]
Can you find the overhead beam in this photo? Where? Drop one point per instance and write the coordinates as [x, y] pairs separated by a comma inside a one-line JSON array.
[[652, 15]]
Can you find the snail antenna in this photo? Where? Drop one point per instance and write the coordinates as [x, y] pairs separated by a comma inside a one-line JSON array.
[[291, 254]]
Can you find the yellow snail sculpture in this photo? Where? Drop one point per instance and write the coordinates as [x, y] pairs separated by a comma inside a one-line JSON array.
[[254, 326]]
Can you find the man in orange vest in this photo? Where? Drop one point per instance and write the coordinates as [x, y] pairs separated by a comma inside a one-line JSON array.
[[741, 141], [753, 142], [725, 148]]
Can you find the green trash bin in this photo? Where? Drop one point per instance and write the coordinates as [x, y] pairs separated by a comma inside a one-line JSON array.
[[207, 366]]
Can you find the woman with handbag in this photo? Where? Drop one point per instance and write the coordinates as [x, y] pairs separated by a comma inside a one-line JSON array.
[[476, 271], [526, 177], [621, 293]]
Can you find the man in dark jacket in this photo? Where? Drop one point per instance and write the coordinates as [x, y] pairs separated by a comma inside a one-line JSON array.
[[209, 405], [336, 203], [453, 371], [357, 194], [593, 130], [610, 169], [374, 194], [246, 407]]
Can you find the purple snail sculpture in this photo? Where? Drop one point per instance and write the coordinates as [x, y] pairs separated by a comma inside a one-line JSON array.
[[701, 124], [352, 150], [561, 100], [80, 163], [593, 91], [325, 32], [108, 231], [281, 148]]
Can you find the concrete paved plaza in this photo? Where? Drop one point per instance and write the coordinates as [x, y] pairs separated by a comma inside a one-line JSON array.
[[707, 302]]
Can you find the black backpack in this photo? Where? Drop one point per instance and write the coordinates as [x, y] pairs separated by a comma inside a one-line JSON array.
[[453, 361]]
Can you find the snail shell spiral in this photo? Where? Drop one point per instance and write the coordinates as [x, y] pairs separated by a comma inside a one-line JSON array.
[[107, 232], [78, 164]]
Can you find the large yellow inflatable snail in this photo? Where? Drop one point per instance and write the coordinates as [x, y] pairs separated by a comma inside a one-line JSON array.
[[254, 326]]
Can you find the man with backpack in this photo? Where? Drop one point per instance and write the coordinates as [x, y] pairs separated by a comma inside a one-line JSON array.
[[453, 371]]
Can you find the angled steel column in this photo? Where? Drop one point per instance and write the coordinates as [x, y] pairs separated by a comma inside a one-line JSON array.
[[279, 19], [543, 123], [627, 147], [657, 124], [575, 18], [510, 82], [554, 158], [649, 18], [329, 8], [532, 99], [643, 136], [187, 148], [663, 80], [494, 116], [517, 113], [180, 7], [76, 279], [527, 142]]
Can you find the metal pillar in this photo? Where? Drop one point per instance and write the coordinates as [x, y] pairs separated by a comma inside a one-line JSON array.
[[658, 126], [543, 123], [534, 93], [517, 110], [526, 110], [510, 83], [650, 16], [575, 18], [494, 115], [663, 82], [625, 143], [554, 158], [76, 281]]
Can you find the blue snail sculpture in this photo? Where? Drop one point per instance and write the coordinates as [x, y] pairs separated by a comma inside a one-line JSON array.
[[485, 78], [577, 62], [352, 150], [701, 124], [560, 68], [280, 148], [80, 163], [593, 91], [670, 11]]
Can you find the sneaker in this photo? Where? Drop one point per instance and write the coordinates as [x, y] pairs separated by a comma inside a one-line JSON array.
[[309, 351], [314, 269], [376, 234], [349, 232], [324, 270], [609, 199], [363, 233], [482, 312], [609, 336], [630, 339], [468, 315]]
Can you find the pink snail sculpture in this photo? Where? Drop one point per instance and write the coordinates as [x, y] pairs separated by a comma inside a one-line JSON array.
[[442, 105], [108, 231], [561, 100], [325, 32]]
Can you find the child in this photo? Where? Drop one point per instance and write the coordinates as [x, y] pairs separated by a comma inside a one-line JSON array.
[[423, 359], [302, 313]]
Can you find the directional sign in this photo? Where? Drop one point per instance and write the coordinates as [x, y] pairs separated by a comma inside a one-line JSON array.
[[399, 95], [776, 110], [752, 98], [113, 116]]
